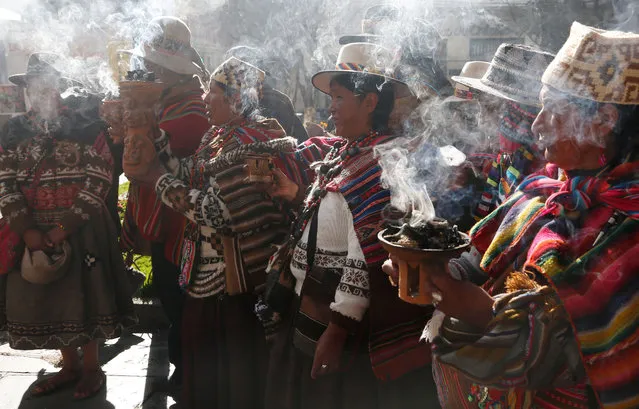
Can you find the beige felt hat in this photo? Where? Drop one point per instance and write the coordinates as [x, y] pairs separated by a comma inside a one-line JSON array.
[[167, 43], [367, 58], [598, 65], [471, 70]]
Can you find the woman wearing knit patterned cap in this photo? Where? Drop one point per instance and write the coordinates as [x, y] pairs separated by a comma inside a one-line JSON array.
[[274, 103], [345, 327], [556, 324], [233, 227]]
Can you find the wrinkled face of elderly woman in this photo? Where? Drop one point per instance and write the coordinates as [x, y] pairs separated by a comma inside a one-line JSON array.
[[220, 103], [572, 138], [44, 95]]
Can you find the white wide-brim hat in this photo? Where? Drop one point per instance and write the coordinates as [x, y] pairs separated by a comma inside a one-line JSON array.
[[363, 58], [167, 43]]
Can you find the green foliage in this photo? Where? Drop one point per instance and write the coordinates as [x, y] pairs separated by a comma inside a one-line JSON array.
[[142, 263]]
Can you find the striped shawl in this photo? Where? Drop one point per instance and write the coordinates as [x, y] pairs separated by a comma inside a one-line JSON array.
[[246, 223], [395, 326], [553, 229]]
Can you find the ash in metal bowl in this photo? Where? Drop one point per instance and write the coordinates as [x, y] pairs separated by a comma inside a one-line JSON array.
[[434, 234]]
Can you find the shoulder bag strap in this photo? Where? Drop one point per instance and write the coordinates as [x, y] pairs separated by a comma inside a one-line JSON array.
[[312, 242]]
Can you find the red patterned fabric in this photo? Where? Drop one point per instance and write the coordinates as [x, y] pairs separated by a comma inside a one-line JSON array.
[[591, 264], [11, 248], [184, 120]]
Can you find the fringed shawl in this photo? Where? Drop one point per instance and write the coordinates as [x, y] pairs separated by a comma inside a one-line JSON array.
[[563, 232]]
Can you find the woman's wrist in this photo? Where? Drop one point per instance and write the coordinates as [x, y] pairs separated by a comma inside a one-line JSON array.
[[337, 330], [300, 195]]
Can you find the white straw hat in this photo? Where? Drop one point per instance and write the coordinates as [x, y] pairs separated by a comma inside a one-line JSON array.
[[514, 74]]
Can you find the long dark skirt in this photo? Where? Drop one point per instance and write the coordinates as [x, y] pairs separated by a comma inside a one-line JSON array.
[[225, 354], [414, 390], [91, 301], [289, 383]]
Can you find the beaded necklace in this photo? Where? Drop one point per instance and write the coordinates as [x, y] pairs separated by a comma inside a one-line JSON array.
[[330, 168]]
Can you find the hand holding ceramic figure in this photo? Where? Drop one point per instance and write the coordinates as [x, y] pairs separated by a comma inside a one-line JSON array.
[[111, 111]]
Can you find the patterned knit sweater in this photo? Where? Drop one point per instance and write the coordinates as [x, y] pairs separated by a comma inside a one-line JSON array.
[[234, 224], [337, 250], [61, 177]]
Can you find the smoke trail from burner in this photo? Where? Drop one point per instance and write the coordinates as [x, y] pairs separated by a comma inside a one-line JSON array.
[[297, 38]]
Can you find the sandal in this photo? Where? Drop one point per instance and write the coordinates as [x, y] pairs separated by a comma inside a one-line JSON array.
[[55, 383], [98, 380]]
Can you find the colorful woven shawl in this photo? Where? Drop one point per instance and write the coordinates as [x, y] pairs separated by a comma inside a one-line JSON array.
[[189, 103], [569, 232], [361, 186], [257, 221]]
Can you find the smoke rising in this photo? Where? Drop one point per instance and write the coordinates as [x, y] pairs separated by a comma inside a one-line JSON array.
[[296, 38]]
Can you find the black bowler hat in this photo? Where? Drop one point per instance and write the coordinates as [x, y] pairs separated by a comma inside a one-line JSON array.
[[42, 65]]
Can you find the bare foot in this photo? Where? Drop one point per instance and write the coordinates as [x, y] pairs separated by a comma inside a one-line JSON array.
[[90, 384], [54, 383]]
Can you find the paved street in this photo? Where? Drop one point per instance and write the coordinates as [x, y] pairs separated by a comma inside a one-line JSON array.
[[135, 364]]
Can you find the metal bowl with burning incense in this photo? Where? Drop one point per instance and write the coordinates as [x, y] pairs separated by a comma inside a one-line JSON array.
[[421, 251]]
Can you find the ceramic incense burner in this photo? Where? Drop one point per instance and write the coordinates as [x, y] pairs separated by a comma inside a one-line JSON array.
[[419, 256], [138, 104]]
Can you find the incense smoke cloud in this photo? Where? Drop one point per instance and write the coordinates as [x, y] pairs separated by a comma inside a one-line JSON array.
[[297, 38]]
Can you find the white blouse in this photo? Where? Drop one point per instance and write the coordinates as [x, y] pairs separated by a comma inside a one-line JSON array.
[[338, 249]]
